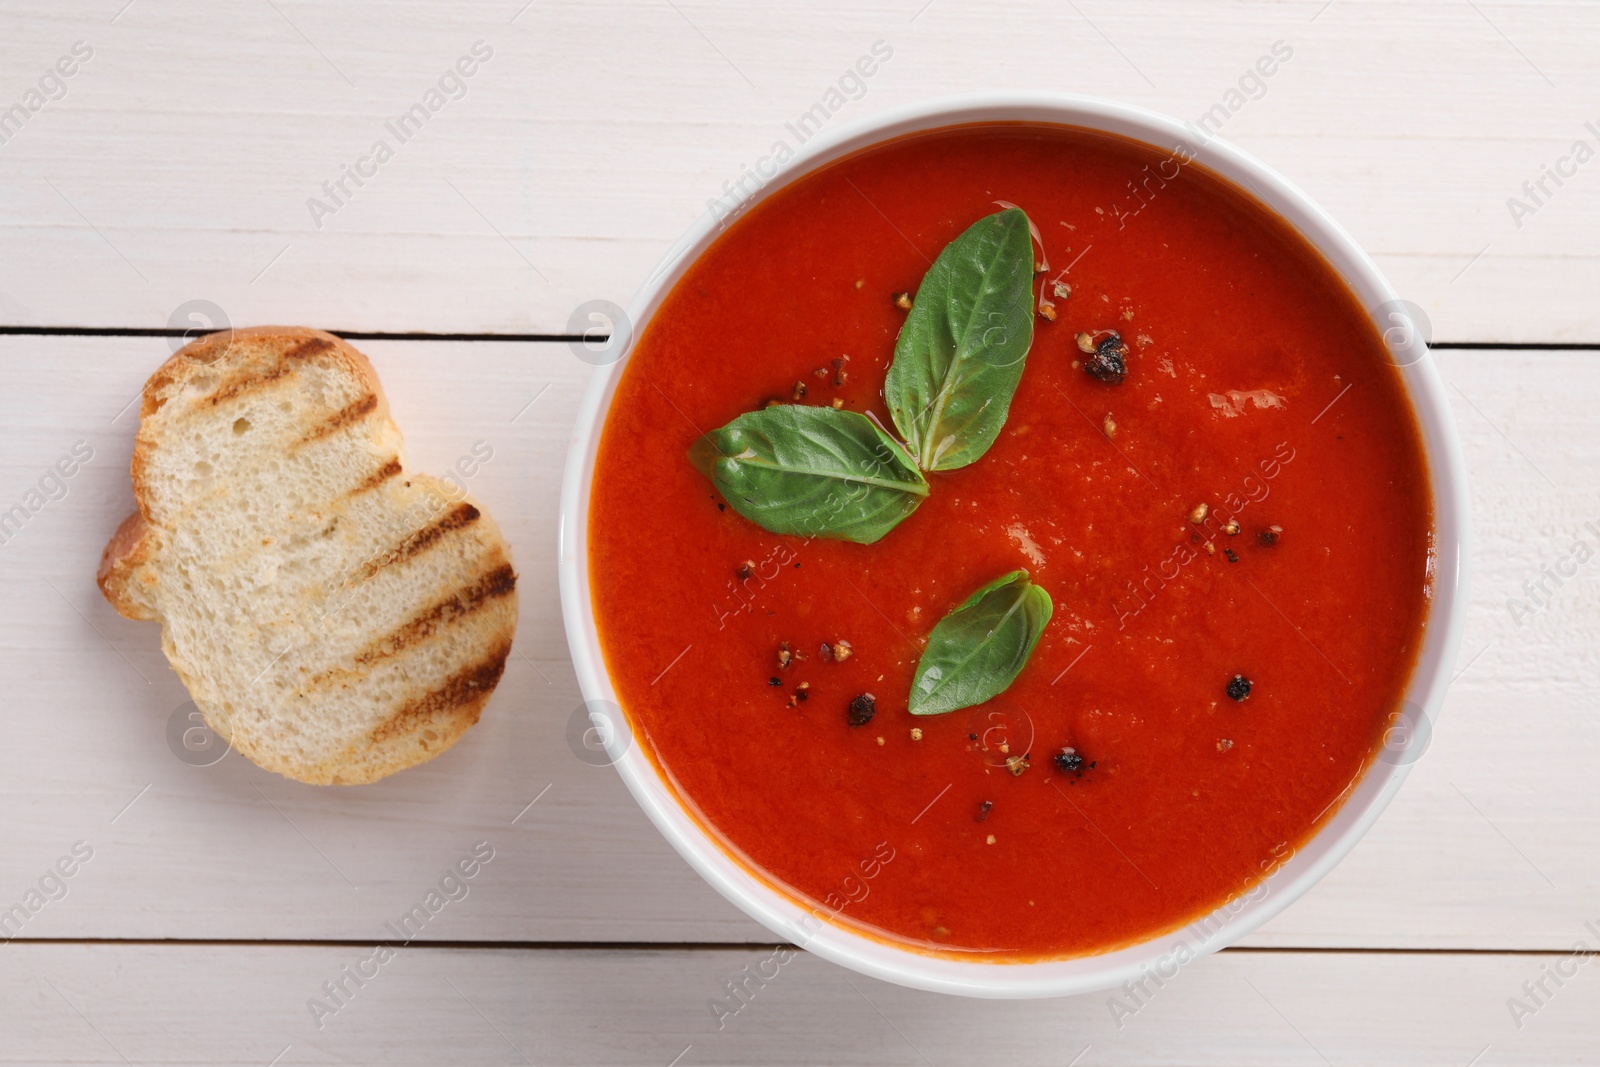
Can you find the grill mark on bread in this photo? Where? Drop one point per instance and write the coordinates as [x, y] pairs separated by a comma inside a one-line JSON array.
[[463, 514], [311, 346], [251, 379], [342, 418], [378, 477], [476, 607], [448, 612], [464, 687], [245, 383]]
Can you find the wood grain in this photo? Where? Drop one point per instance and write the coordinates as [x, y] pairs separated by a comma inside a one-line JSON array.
[[1489, 846], [597, 133]]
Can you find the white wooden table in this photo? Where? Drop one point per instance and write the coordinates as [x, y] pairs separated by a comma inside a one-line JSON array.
[[219, 899]]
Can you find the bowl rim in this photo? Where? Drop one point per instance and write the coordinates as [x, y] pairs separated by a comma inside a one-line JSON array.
[[1286, 882]]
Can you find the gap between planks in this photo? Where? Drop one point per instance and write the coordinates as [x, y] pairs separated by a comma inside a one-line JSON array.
[[349, 335]]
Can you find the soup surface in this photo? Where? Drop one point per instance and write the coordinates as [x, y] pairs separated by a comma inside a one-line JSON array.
[[1256, 386]]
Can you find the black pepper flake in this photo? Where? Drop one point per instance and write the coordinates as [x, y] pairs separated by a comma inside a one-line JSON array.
[[1238, 687], [1068, 761], [1231, 557], [723, 507], [972, 737], [802, 694], [984, 809], [774, 681], [839, 373], [1109, 363], [1269, 536], [862, 709], [745, 570]]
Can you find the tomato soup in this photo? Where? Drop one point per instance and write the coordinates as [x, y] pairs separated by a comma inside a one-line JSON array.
[[1236, 537]]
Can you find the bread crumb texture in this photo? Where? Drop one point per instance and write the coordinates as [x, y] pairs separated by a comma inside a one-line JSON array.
[[335, 616]]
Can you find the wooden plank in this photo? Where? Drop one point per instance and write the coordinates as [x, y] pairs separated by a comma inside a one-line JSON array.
[[233, 1004], [596, 134], [223, 836], [1489, 846]]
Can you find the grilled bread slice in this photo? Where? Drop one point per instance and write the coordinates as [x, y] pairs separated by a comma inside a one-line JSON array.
[[335, 616]]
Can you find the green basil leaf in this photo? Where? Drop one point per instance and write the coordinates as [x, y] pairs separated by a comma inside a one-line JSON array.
[[812, 471], [977, 650], [960, 353]]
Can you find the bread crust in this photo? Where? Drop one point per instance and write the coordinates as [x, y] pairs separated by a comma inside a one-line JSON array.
[[220, 368], [121, 565]]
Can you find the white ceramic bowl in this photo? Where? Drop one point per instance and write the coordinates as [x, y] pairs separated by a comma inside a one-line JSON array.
[[1163, 955]]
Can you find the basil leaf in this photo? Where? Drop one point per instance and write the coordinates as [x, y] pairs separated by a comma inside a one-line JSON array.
[[812, 471], [978, 650], [959, 355]]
